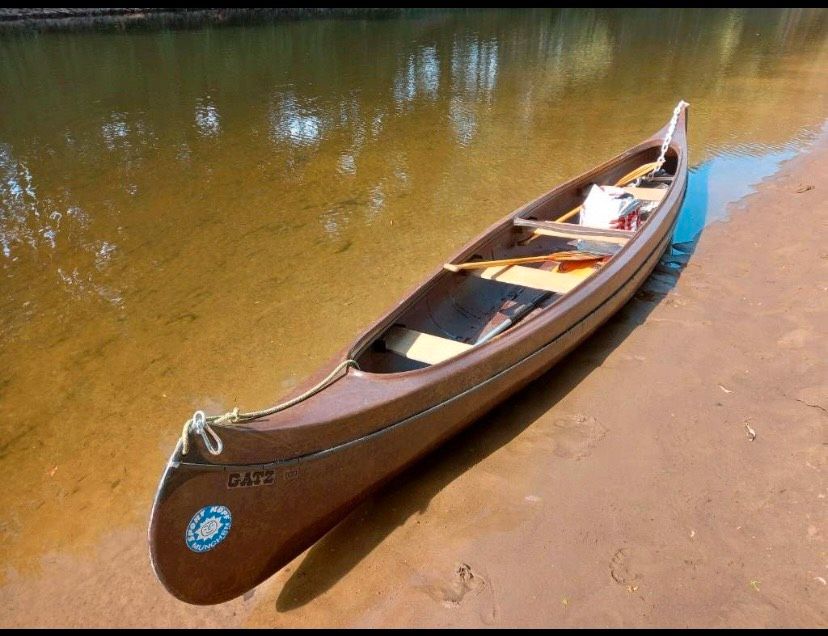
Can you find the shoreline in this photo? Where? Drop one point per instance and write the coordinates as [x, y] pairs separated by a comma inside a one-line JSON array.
[[120, 19]]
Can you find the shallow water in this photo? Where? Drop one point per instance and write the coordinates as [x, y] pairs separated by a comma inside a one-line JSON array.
[[198, 219], [730, 175]]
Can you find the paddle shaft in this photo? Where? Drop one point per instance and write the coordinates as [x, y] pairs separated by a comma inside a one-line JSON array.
[[504, 262]]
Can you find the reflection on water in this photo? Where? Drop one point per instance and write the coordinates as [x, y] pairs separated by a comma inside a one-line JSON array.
[[207, 118], [200, 218], [291, 123]]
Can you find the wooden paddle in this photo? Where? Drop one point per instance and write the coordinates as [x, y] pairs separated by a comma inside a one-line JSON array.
[[570, 258]]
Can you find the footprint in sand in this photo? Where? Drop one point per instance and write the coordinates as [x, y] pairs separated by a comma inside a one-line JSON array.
[[465, 587], [576, 436], [463, 581], [620, 569]]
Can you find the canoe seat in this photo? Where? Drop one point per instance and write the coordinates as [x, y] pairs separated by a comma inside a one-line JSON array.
[[553, 281], [423, 347], [647, 194], [573, 231]]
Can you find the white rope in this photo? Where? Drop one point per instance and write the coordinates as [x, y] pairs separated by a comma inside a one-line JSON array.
[[666, 143], [202, 424]]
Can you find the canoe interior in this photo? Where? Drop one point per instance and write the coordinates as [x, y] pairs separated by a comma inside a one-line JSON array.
[[463, 307]]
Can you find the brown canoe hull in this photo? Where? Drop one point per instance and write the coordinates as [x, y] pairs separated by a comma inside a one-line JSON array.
[[322, 471]]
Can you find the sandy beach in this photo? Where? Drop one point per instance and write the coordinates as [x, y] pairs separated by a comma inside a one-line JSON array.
[[668, 473]]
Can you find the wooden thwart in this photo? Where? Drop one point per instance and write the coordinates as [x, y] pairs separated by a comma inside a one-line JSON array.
[[647, 194], [557, 282], [570, 230], [422, 347]]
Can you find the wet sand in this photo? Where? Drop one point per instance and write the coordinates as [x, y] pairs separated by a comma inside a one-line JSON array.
[[620, 489]]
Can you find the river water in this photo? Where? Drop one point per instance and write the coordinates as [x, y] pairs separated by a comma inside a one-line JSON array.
[[200, 218]]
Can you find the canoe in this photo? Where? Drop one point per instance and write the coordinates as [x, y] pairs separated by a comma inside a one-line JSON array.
[[241, 496]]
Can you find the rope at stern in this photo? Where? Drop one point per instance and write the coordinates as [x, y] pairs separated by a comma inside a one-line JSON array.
[[202, 424]]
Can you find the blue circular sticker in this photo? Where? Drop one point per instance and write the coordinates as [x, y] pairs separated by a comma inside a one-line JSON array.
[[208, 527]]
